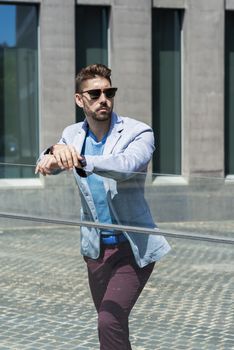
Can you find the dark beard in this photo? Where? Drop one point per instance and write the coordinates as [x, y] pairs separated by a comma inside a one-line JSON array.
[[101, 117]]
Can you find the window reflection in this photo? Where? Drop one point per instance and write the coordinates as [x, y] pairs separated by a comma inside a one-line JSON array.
[[229, 90], [166, 51], [91, 40], [18, 88]]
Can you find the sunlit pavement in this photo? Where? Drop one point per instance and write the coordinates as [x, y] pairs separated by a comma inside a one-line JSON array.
[[45, 301]]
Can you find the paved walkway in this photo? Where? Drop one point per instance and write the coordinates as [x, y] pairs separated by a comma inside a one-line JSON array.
[[45, 302]]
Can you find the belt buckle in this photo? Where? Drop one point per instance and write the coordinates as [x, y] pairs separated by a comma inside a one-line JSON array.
[[115, 241]]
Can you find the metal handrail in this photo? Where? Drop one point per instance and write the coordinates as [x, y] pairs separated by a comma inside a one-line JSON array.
[[133, 229]]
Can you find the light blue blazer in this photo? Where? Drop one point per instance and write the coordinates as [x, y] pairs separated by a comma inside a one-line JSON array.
[[123, 165]]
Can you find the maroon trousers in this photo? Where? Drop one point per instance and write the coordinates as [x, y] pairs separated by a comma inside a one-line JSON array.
[[116, 282]]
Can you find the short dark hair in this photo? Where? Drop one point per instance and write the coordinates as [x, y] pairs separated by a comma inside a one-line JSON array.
[[90, 72]]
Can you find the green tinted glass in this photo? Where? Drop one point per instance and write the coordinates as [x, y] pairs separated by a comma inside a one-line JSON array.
[[229, 93], [166, 36], [18, 88], [91, 39]]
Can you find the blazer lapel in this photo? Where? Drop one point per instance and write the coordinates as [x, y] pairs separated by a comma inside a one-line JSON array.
[[114, 134], [80, 137]]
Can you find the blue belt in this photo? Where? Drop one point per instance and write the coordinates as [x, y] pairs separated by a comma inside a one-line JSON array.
[[113, 239]]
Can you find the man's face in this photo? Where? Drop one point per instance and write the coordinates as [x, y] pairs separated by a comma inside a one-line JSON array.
[[100, 108]]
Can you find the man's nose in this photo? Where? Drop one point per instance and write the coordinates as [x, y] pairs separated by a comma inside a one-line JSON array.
[[102, 97]]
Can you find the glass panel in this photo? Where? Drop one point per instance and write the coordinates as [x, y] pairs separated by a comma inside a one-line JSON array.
[[166, 36], [91, 38], [18, 88], [188, 300], [229, 93], [198, 200]]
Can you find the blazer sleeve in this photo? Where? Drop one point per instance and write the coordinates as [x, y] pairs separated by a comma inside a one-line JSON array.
[[131, 159]]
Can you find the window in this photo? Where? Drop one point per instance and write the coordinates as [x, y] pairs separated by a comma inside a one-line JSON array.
[[91, 40], [18, 89], [229, 93], [166, 50]]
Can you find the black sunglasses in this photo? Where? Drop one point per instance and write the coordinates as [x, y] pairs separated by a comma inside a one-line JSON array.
[[96, 93]]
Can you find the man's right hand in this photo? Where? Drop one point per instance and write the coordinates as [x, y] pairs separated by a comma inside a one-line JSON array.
[[63, 157], [46, 165]]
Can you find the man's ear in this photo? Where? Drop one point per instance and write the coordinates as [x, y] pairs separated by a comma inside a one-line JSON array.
[[79, 100]]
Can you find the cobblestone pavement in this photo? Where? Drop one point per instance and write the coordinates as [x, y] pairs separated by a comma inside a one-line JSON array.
[[45, 302]]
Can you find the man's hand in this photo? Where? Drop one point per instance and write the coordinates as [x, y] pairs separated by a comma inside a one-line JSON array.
[[66, 156], [63, 157], [46, 165]]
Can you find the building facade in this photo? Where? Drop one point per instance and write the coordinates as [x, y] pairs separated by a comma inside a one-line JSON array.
[[172, 61]]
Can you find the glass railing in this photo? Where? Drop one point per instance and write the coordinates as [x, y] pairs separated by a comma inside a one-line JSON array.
[[45, 298]]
